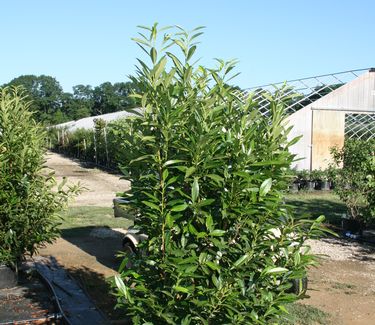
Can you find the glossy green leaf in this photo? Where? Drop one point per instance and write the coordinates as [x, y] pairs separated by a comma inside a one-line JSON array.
[[217, 233], [172, 162], [216, 178], [209, 222], [151, 205], [265, 187], [277, 270], [243, 259], [320, 219], [213, 266], [195, 190], [153, 54], [181, 289], [165, 174], [189, 171], [191, 52], [179, 208]]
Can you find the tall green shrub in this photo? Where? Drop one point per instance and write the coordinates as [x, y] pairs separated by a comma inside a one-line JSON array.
[[353, 172], [208, 175], [29, 197]]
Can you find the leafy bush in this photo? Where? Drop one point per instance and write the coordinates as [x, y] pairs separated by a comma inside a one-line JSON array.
[[316, 175], [304, 175], [353, 173], [28, 199], [208, 175]]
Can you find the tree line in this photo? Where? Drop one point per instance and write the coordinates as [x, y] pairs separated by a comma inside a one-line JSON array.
[[53, 106]]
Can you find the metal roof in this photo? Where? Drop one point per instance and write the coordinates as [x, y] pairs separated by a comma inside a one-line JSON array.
[[88, 122]]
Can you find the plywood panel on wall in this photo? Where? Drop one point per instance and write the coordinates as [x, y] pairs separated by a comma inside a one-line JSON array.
[[301, 123], [328, 131]]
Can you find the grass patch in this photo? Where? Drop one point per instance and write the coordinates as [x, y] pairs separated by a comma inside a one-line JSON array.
[[77, 219], [347, 288], [343, 286], [314, 204], [300, 314]]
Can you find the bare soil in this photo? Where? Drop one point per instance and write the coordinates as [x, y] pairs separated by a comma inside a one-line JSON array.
[[99, 187], [343, 285]]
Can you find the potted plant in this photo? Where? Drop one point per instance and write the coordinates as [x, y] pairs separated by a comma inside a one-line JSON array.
[[29, 198], [325, 180], [295, 183], [303, 175], [307, 181], [316, 177]]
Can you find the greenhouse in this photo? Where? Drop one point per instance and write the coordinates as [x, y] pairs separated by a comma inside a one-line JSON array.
[[329, 109], [324, 111]]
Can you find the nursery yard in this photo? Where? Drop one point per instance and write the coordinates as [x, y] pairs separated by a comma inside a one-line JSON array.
[[341, 289]]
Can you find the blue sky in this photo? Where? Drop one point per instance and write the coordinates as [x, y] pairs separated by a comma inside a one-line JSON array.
[[89, 42]]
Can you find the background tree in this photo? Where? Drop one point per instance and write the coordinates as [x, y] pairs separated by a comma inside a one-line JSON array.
[[53, 106], [110, 97], [44, 91], [84, 97]]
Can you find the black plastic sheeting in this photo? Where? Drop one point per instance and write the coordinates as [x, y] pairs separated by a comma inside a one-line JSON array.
[[74, 305]]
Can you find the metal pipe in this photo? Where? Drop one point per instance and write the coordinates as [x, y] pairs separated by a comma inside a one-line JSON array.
[[306, 78], [36, 321], [339, 109]]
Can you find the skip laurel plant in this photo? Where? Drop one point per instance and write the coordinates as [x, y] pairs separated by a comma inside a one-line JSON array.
[[29, 197], [208, 174]]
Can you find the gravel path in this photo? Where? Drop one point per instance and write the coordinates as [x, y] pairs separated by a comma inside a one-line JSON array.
[[340, 249], [100, 187]]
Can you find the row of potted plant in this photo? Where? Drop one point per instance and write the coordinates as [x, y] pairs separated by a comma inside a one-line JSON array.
[[311, 180]]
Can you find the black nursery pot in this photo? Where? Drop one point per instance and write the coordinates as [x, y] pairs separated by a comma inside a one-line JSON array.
[[325, 185], [8, 277], [318, 185], [310, 186], [352, 225], [294, 187]]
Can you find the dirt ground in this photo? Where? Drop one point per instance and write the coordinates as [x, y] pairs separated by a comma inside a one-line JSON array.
[[343, 285], [100, 187]]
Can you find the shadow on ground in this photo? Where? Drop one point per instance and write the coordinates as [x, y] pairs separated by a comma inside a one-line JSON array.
[[313, 208], [103, 243], [360, 251], [101, 292], [29, 300]]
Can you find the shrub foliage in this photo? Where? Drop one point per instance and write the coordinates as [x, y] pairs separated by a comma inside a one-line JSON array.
[[353, 172], [208, 173], [29, 199]]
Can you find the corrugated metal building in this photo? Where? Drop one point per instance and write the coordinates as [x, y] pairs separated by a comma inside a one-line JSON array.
[[348, 111]]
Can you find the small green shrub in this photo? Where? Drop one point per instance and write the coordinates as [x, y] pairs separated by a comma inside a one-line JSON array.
[[353, 173], [304, 175], [208, 176], [99, 145], [316, 175], [29, 200]]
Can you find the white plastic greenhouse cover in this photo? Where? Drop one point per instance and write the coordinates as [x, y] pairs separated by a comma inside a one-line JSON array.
[[88, 122]]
